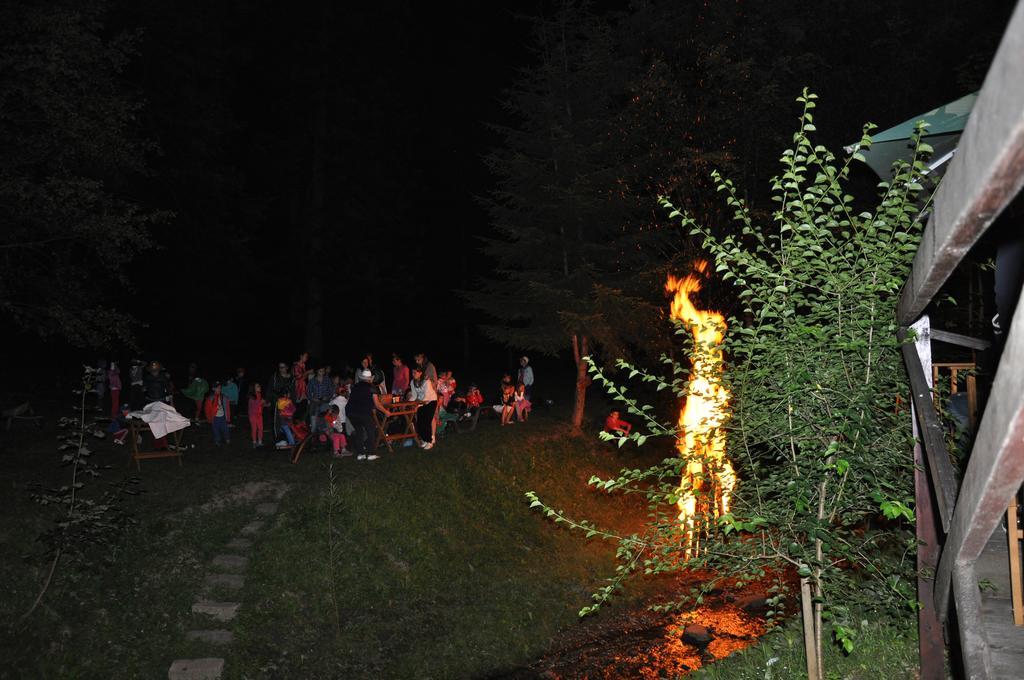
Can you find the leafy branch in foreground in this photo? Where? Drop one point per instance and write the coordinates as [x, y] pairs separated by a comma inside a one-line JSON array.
[[83, 523], [812, 363]]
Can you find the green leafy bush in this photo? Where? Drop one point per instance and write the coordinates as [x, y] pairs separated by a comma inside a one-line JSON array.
[[821, 451]]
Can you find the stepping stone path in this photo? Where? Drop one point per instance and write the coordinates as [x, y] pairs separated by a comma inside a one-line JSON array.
[[214, 637], [252, 528], [196, 669], [227, 581], [232, 563], [231, 576], [221, 611]]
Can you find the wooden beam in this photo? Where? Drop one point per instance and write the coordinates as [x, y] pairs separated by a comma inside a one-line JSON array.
[[931, 432], [931, 648], [984, 176], [995, 468], [977, 658], [961, 340]]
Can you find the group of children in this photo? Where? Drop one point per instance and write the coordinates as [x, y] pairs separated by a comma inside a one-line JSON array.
[[513, 402], [307, 402]]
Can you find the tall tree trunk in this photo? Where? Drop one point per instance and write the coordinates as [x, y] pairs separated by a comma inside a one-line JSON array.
[[580, 349]]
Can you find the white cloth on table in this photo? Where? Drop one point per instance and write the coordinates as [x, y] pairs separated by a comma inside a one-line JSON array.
[[161, 418]]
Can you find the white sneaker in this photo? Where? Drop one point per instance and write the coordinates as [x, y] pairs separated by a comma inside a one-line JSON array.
[[427, 446], [372, 456], [362, 457], [119, 442]]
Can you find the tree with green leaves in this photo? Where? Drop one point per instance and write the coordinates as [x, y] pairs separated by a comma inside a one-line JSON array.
[[822, 455], [67, 148]]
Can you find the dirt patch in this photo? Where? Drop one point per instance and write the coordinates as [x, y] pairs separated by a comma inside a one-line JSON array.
[[639, 643], [250, 492]]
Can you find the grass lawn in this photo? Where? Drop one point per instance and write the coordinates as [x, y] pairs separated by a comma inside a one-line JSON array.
[[421, 564], [436, 567]]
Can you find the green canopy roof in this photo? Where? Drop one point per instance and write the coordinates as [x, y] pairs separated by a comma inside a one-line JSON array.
[[945, 124]]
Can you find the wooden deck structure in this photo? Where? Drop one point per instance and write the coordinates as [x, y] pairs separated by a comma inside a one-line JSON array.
[[961, 540]]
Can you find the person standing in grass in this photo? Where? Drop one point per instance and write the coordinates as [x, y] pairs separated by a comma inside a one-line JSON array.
[[319, 390], [114, 383], [218, 412], [196, 389], [255, 406], [399, 377], [279, 385], [300, 375], [363, 400], [424, 391], [429, 372], [526, 375], [135, 376]]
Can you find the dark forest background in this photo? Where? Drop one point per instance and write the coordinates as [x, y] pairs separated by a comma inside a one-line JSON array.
[[233, 182]]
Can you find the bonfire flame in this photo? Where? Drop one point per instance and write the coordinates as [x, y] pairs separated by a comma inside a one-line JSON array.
[[709, 478]]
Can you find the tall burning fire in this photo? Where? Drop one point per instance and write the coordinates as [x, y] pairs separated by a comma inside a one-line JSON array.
[[708, 480]]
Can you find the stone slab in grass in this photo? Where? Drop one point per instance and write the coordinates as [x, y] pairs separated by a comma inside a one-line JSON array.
[[234, 563], [252, 528], [221, 611], [229, 581], [213, 637], [266, 508], [240, 543], [196, 669]]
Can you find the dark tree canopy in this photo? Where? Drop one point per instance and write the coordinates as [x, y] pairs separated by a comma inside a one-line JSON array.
[[67, 146]]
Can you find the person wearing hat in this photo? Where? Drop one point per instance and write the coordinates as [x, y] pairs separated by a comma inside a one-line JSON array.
[[363, 400], [526, 375]]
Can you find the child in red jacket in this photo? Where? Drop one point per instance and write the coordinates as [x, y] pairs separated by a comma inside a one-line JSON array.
[[218, 412], [256, 405], [616, 425]]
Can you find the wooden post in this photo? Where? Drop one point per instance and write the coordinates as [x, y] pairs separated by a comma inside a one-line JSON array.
[[1013, 537], [930, 645]]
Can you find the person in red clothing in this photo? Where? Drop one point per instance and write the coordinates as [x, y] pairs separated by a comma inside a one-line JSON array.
[[301, 375], [256, 404], [218, 412], [616, 425]]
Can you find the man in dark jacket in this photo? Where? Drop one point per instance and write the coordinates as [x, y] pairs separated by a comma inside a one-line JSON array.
[[363, 400], [156, 384]]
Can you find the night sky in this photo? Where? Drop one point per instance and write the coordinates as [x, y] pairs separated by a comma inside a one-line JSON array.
[[408, 94]]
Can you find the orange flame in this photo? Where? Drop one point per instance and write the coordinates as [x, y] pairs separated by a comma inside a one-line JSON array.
[[707, 484]]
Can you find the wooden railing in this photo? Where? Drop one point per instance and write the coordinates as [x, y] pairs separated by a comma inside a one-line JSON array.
[[984, 177]]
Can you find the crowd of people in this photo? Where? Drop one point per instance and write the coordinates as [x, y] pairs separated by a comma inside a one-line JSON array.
[[298, 401]]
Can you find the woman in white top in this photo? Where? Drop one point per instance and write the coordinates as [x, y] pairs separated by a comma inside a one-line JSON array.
[[423, 391]]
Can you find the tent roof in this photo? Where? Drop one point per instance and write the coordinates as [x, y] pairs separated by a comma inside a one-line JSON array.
[[945, 124], [945, 119]]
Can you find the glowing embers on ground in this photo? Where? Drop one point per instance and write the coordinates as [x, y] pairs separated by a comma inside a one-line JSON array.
[[708, 480]]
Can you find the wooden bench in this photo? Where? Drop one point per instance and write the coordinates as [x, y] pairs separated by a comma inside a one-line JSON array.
[[21, 412]]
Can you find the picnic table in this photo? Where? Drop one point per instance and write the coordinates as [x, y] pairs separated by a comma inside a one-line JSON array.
[[136, 429], [401, 411]]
